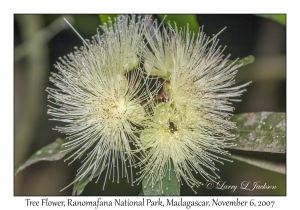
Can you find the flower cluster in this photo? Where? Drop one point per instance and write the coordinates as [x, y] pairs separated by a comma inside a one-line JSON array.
[[114, 111], [192, 125], [102, 105]]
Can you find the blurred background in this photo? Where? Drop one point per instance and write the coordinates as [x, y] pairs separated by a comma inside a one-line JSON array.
[[39, 40]]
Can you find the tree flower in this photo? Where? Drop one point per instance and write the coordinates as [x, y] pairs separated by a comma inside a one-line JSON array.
[[101, 105], [103, 95], [191, 127]]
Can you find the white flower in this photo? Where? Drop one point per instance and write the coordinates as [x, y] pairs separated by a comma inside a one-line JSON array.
[[193, 126], [101, 106]]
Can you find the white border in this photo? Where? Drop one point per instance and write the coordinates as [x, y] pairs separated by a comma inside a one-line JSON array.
[[8, 201]]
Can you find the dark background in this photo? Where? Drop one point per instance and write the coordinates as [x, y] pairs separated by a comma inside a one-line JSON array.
[[37, 49]]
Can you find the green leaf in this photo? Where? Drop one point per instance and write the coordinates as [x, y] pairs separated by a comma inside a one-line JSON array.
[[245, 61], [261, 140], [181, 21], [141, 193], [278, 18], [51, 152], [270, 164], [104, 18], [170, 185], [80, 184], [261, 132]]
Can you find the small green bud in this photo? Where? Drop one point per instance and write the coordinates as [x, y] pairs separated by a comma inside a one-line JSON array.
[[132, 63]]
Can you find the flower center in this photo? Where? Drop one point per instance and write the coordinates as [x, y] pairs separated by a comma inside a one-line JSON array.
[[117, 110]]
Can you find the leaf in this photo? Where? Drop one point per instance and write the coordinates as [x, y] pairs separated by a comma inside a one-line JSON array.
[[261, 132], [80, 184], [51, 152], [104, 18], [141, 193], [246, 60], [278, 18], [170, 185], [269, 164], [181, 21]]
